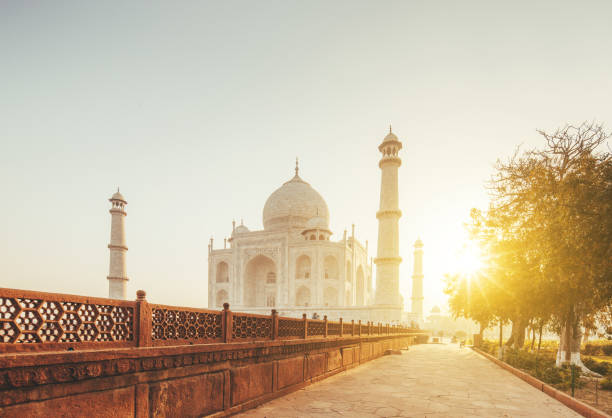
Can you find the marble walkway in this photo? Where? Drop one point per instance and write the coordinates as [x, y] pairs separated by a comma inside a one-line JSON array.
[[432, 380]]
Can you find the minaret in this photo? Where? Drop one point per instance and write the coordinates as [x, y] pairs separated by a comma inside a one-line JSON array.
[[417, 281], [388, 260], [117, 277]]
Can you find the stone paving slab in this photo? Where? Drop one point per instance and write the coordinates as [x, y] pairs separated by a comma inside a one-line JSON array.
[[432, 380]]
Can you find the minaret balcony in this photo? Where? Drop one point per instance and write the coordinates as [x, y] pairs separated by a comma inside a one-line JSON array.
[[387, 260], [118, 211], [389, 160], [392, 213], [117, 247]]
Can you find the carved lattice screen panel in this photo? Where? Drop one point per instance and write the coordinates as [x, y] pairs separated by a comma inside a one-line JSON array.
[[32, 318], [251, 327], [175, 325], [290, 328], [333, 328], [316, 328]]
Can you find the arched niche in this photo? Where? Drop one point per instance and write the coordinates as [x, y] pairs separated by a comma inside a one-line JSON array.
[[330, 265], [302, 267], [360, 286], [302, 296], [349, 271], [222, 272], [256, 276]]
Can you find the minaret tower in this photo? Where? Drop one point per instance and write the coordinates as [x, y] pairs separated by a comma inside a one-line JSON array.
[[388, 260], [417, 281], [117, 277]]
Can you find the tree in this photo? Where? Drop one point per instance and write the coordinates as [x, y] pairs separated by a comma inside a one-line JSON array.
[[558, 200], [548, 235]]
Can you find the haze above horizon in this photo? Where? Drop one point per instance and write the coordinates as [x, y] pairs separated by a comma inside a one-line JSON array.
[[198, 113]]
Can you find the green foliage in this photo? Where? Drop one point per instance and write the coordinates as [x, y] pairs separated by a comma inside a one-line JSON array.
[[460, 335], [598, 348], [489, 347], [542, 365], [546, 238], [606, 384]]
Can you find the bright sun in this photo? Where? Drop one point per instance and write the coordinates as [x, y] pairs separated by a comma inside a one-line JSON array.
[[470, 259]]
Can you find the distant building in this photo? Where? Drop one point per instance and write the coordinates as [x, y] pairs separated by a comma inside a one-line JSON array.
[[417, 283], [117, 275]]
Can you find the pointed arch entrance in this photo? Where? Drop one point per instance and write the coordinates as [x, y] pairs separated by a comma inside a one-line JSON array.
[[257, 277]]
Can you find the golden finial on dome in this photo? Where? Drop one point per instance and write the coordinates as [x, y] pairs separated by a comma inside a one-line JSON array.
[[390, 129], [297, 168]]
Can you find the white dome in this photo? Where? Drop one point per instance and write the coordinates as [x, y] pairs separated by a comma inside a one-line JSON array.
[[118, 196], [390, 137], [317, 223], [292, 205], [240, 229]]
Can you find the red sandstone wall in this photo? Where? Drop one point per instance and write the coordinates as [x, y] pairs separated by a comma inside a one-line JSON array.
[[196, 380]]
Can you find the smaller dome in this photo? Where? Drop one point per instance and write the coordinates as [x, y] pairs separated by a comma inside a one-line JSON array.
[[435, 309], [118, 196], [241, 229], [390, 137], [418, 243], [317, 222]]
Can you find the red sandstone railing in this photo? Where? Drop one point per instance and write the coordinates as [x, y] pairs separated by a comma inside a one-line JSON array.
[[38, 321]]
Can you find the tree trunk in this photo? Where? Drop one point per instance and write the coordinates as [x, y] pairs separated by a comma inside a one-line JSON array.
[[501, 345], [519, 339], [517, 335], [533, 335], [510, 340], [569, 343], [540, 338]]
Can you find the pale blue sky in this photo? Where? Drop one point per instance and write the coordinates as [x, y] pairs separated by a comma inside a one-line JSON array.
[[198, 110]]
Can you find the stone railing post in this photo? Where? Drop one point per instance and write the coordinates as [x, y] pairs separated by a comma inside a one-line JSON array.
[[305, 320], [274, 324], [228, 323], [341, 328], [379, 328], [359, 325], [387, 328], [325, 332], [144, 320]]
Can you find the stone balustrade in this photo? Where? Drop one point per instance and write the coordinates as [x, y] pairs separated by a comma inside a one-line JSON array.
[[76, 356], [39, 321]]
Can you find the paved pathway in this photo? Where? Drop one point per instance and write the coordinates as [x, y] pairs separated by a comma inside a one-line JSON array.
[[430, 380]]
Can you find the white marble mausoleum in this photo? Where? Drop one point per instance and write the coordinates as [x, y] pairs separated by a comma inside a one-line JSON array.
[[291, 265]]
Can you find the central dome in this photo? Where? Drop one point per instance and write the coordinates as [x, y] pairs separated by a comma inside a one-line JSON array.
[[293, 204]]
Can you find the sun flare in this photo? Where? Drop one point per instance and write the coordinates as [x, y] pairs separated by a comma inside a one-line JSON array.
[[470, 259]]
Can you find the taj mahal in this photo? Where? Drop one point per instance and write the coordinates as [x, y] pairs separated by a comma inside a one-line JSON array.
[[293, 266]]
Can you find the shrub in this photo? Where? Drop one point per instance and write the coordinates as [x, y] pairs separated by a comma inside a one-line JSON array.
[[591, 349], [598, 348], [566, 378], [489, 347], [606, 384]]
